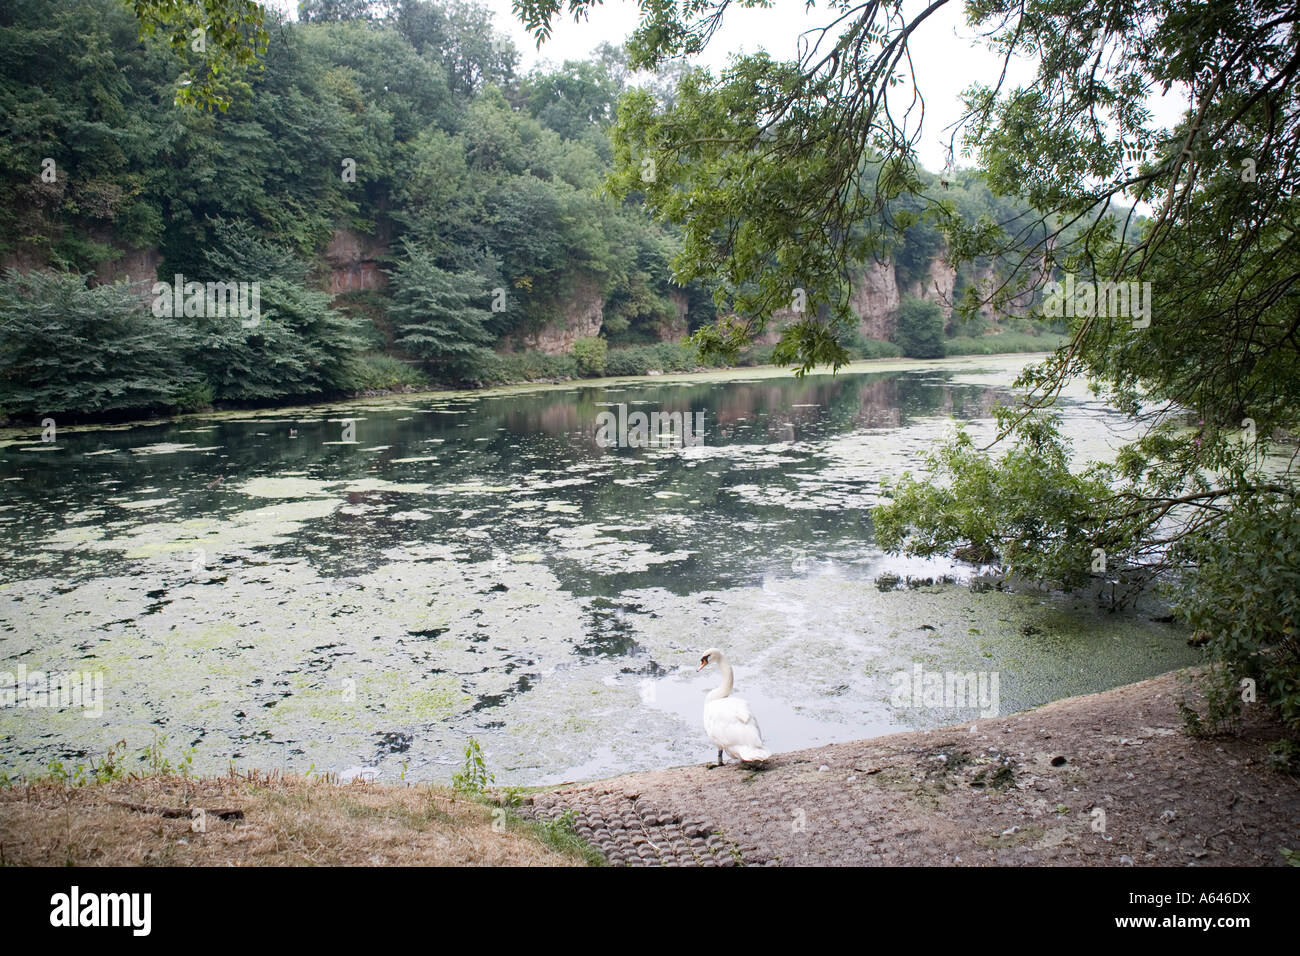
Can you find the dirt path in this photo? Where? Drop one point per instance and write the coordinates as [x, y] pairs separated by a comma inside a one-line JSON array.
[[1108, 779]]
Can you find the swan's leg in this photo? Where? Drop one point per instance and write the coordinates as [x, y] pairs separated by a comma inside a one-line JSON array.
[[720, 760]]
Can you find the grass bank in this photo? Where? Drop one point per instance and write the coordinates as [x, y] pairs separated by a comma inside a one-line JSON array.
[[271, 819]]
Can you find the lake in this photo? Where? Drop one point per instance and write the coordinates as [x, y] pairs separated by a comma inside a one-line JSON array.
[[370, 584]]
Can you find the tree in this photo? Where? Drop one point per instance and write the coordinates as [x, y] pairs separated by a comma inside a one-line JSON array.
[[438, 317], [73, 349], [460, 36], [572, 99], [297, 345], [920, 329], [227, 35]]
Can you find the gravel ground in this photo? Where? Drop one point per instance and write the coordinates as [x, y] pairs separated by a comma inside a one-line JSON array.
[[1109, 779]]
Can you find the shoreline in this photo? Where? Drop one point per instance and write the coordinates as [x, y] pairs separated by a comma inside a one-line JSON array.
[[1106, 779], [1103, 779], [21, 434]]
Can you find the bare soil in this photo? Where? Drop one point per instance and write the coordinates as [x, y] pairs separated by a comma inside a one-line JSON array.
[[1109, 779]]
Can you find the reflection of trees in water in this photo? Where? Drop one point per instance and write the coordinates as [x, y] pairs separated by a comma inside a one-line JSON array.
[[544, 432]]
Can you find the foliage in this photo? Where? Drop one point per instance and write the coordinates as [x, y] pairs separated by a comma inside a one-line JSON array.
[[591, 355], [865, 348], [508, 368], [227, 35], [154, 756], [920, 329], [105, 770], [298, 345], [391, 121], [1001, 343], [642, 359], [474, 777], [69, 347], [438, 318], [380, 371], [1244, 595], [1025, 510]]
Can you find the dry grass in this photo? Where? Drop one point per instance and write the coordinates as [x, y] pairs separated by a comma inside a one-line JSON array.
[[286, 821]]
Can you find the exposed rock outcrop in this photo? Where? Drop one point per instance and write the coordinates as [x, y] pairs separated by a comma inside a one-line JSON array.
[[936, 285], [137, 266], [581, 316], [874, 299], [353, 261], [676, 328]]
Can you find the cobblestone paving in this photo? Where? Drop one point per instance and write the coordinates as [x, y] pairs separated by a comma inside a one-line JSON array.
[[1109, 779]]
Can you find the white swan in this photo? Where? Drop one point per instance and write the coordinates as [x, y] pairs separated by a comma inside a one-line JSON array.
[[727, 719]]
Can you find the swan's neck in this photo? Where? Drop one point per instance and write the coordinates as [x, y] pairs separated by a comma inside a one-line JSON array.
[[725, 689]]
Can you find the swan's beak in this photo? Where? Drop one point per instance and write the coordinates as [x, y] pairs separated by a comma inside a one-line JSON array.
[[703, 664]]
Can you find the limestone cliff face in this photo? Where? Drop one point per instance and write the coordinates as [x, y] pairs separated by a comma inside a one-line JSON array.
[[877, 293], [676, 328], [353, 261], [988, 283], [139, 267], [936, 285], [581, 316], [874, 300]]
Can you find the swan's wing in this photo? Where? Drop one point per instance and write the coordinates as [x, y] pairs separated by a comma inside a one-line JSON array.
[[730, 724], [740, 709]]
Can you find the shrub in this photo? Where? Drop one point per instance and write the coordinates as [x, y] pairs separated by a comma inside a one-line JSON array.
[[920, 329], [67, 347], [507, 368], [1003, 342], [439, 317], [590, 356], [660, 357], [299, 346], [378, 370], [1249, 619], [874, 349]]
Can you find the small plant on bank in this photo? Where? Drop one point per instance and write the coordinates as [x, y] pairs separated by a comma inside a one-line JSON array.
[[79, 775], [474, 776], [559, 834], [154, 756]]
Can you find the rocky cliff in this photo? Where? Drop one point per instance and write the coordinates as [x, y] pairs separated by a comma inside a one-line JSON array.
[[678, 327], [582, 313], [353, 261], [876, 295]]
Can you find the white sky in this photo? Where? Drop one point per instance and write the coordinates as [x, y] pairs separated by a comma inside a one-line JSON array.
[[947, 55]]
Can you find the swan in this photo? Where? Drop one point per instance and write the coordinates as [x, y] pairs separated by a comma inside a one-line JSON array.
[[727, 719]]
